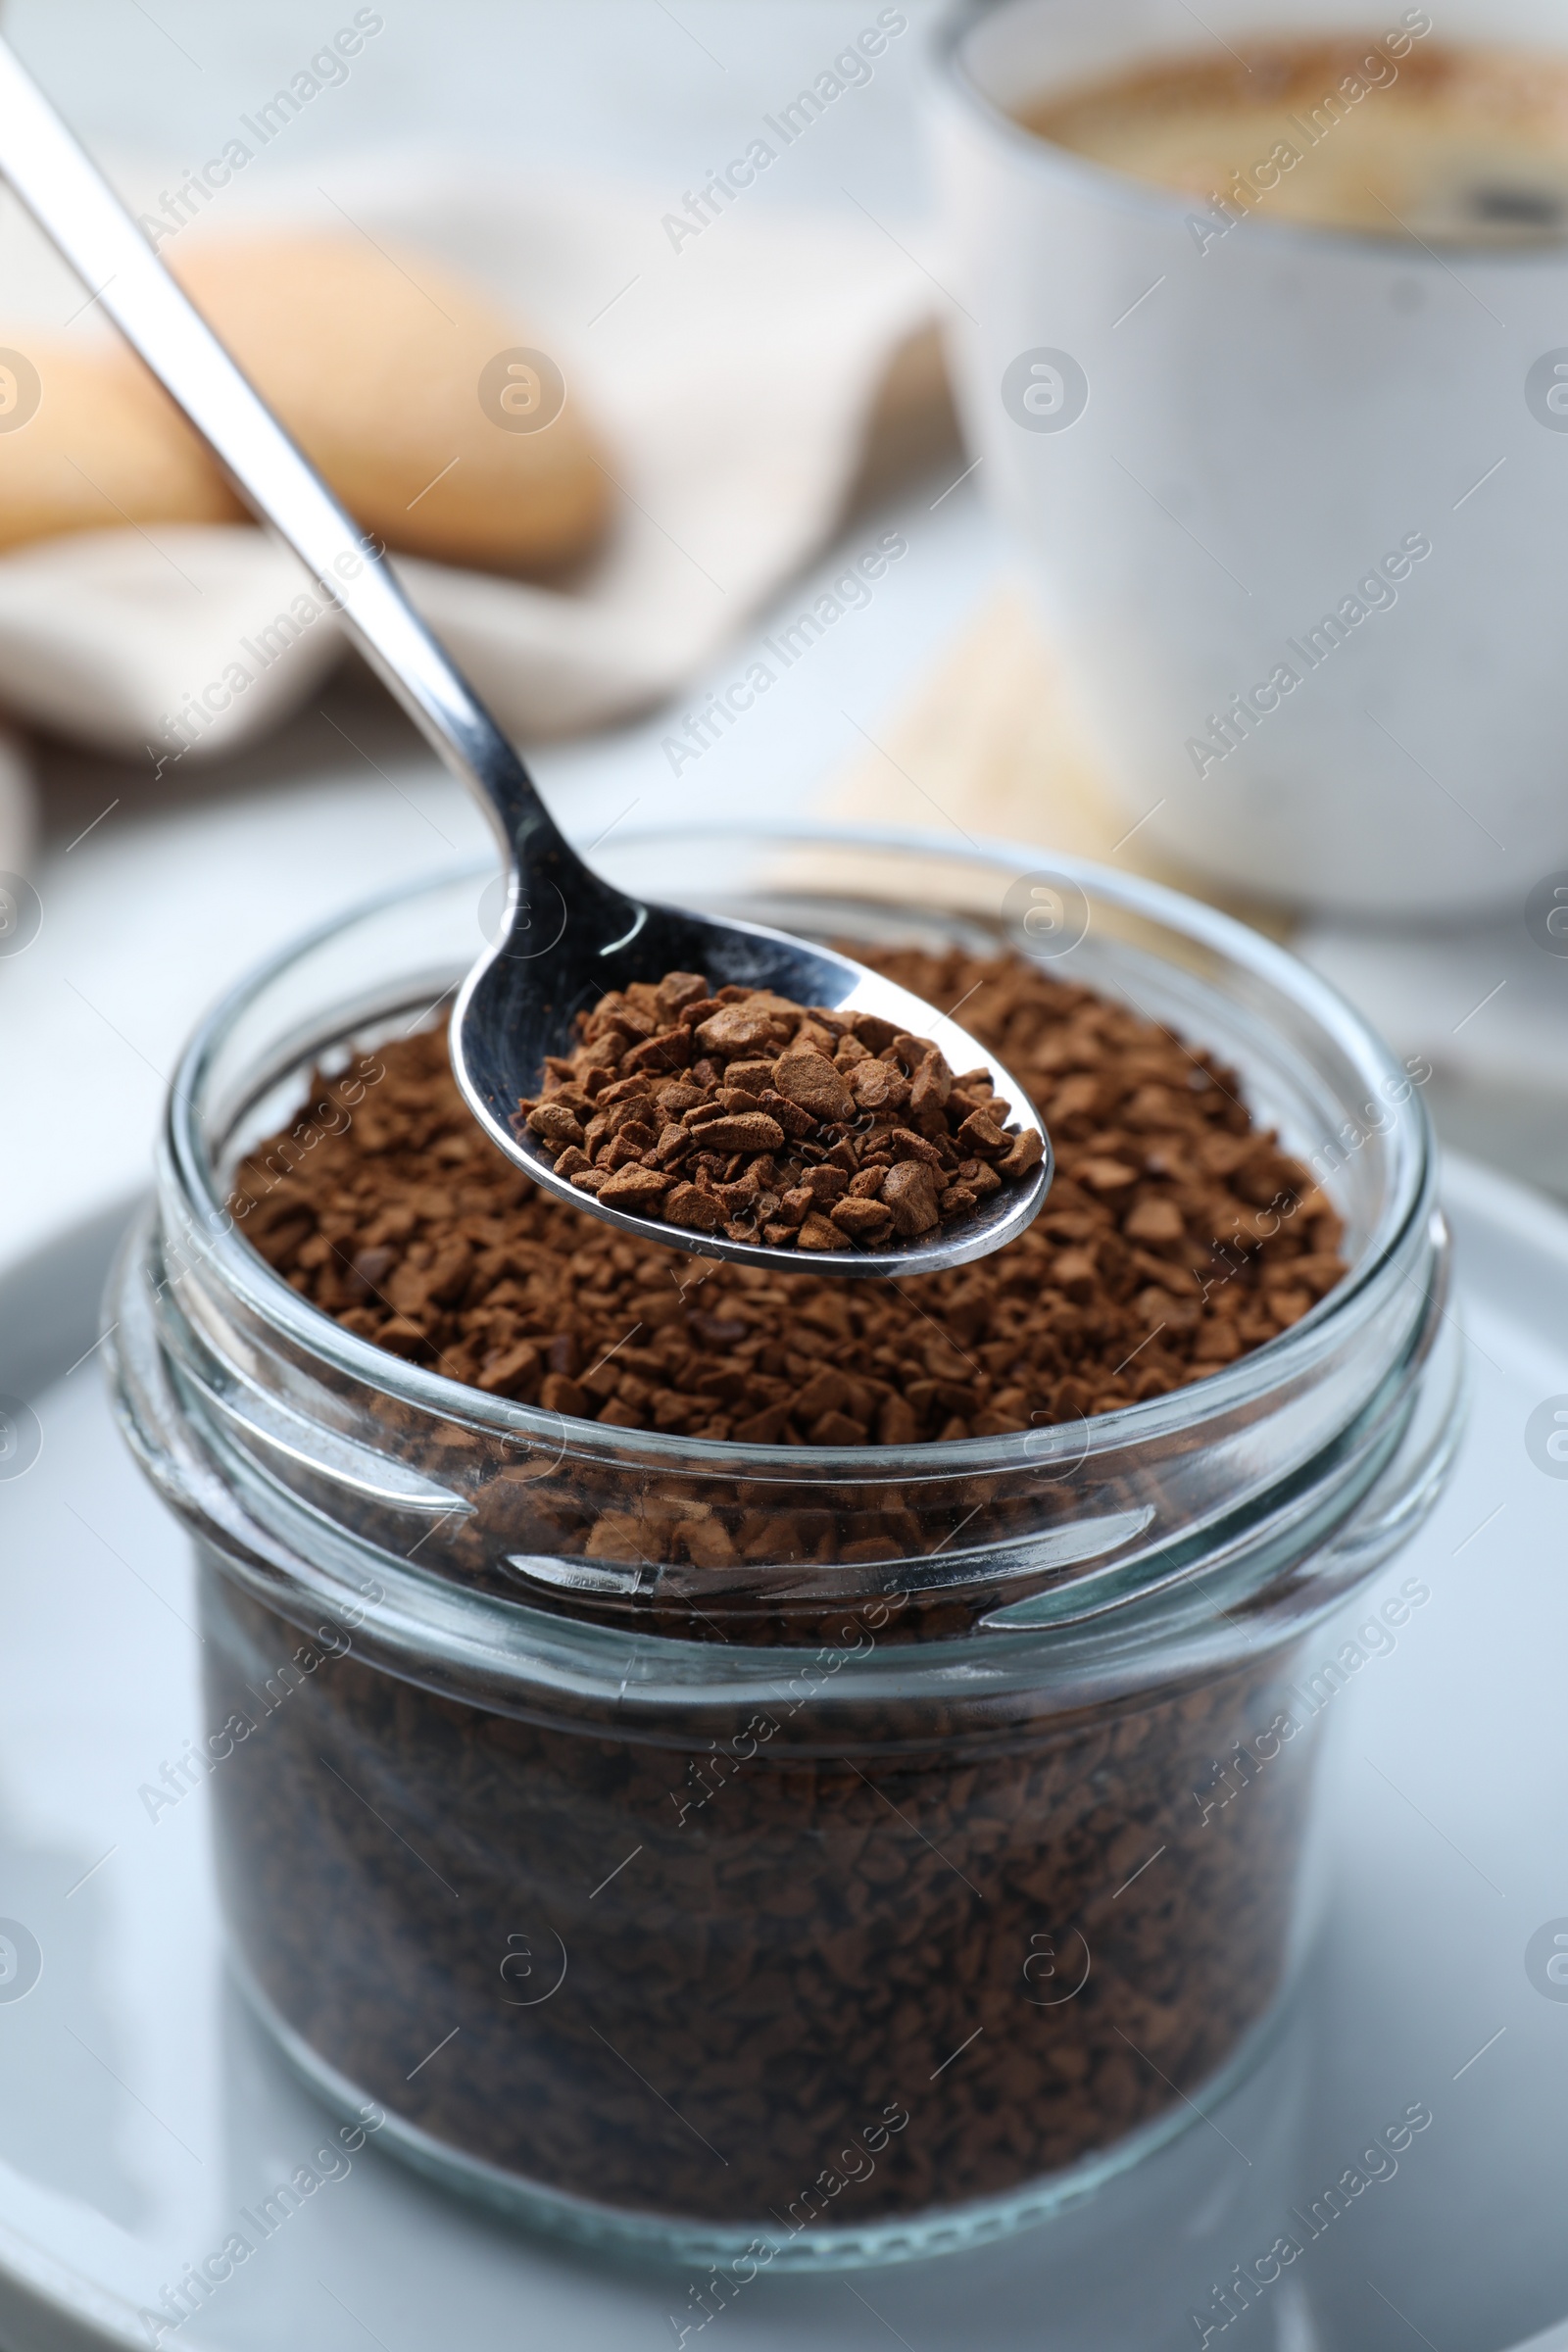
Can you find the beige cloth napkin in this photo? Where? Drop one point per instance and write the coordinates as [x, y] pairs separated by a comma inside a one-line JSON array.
[[733, 379]]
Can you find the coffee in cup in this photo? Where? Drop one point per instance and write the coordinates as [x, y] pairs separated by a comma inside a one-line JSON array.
[[1393, 135]]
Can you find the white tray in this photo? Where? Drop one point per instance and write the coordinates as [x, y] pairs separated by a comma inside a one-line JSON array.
[[141, 2110]]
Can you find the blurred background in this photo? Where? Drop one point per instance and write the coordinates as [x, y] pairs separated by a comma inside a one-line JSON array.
[[759, 409]]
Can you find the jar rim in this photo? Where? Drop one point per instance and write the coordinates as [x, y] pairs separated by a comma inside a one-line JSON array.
[[1276, 1364]]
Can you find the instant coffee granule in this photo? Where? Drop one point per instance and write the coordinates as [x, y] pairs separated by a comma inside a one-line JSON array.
[[826, 1954], [702, 1970], [747, 1114], [1176, 1238]]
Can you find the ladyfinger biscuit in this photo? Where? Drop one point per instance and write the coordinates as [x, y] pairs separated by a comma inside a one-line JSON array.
[[89, 442], [408, 391]]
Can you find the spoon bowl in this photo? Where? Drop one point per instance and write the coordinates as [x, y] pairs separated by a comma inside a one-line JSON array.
[[567, 936], [556, 954]]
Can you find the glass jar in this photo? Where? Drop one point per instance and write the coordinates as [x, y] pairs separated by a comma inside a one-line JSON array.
[[777, 1856]]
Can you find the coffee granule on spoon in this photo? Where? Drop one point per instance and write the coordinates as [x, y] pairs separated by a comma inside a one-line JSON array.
[[747, 1114]]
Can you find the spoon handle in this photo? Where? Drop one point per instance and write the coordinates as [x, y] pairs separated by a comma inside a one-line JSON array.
[[78, 209]]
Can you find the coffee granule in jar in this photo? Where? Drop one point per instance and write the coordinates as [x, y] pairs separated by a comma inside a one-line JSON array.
[[1176, 1238], [819, 1958], [1028, 1937], [747, 1114]]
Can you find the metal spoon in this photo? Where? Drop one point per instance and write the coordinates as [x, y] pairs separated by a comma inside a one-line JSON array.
[[567, 936]]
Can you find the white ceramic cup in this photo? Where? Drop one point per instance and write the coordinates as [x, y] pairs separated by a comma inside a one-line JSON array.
[[1216, 445]]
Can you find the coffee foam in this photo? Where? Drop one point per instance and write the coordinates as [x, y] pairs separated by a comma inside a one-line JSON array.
[[1391, 136]]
